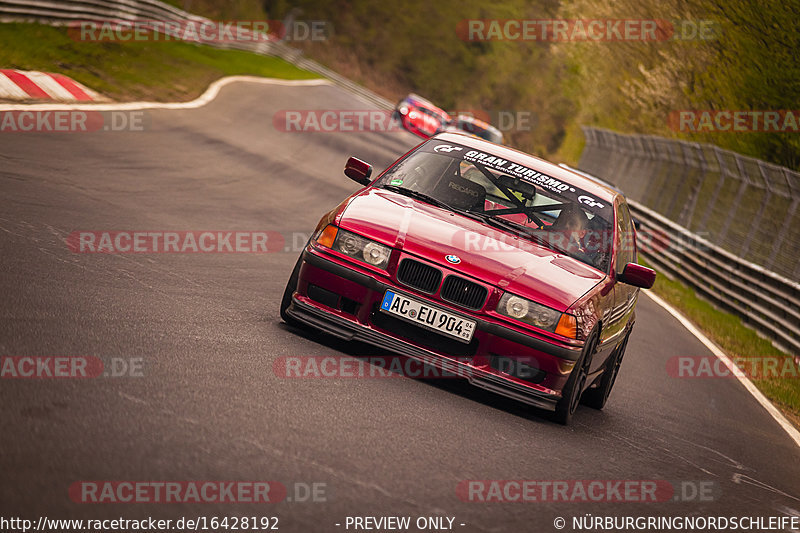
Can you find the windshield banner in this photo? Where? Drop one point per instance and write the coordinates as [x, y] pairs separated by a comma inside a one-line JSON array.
[[498, 164]]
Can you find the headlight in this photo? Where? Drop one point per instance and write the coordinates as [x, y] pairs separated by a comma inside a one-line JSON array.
[[358, 247], [528, 311], [376, 254]]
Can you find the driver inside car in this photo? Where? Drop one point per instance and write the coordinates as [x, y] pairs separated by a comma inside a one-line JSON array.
[[571, 226]]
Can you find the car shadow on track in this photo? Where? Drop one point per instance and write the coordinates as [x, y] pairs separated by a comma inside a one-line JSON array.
[[458, 386]]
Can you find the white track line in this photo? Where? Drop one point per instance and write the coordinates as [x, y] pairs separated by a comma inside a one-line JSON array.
[[722, 356], [207, 97]]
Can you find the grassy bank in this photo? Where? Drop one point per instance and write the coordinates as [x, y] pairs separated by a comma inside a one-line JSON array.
[[737, 339], [151, 70], [738, 55]]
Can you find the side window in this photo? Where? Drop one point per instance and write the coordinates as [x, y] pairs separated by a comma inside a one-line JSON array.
[[625, 248]]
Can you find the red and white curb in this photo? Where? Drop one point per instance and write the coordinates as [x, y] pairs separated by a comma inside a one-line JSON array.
[[35, 85]]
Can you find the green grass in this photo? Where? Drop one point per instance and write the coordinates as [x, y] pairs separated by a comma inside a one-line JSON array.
[[736, 338], [144, 70]]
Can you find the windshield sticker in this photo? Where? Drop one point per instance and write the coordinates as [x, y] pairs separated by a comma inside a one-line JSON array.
[[516, 170], [396, 182], [447, 148], [591, 202]]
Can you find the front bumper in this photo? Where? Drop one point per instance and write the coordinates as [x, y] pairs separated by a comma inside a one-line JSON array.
[[318, 272]]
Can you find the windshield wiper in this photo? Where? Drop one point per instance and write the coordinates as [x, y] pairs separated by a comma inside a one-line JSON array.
[[519, 230], [417, 195], [475, 215], [499, 222]]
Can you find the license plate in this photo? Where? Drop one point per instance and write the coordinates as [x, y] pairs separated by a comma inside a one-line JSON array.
[[428, 316]]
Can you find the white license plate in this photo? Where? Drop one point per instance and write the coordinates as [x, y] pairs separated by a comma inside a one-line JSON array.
[[428, 316]]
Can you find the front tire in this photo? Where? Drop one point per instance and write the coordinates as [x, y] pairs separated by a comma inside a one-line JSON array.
[[597, 398], [288, 292], [571, 395]]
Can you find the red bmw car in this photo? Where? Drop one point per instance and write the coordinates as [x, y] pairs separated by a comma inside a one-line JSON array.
[[420, 116], [479, 259]]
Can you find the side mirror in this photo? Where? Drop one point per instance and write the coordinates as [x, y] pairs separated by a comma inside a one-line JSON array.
[[638, 276], [358, 171]]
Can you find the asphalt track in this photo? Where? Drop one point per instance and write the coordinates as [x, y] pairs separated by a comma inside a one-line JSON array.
[[209, 405]]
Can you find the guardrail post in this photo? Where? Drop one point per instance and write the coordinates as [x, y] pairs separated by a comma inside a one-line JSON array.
[[782, 232], [698, 161], [726, 226], [677, 160], [744, 251]]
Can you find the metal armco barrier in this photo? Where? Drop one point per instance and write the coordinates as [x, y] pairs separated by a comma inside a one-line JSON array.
[[745, 206], [766, 301], [726, 224], [62, 12]]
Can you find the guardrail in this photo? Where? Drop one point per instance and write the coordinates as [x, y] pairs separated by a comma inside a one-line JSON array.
[[765, 300], [62, 12], [750, 208], [703, 213]]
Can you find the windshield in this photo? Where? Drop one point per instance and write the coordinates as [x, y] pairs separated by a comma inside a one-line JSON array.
[[433, 114], [509, 196], [488, 133]]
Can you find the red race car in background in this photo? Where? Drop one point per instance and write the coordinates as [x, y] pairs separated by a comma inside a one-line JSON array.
[[420, 116], [478, 259]]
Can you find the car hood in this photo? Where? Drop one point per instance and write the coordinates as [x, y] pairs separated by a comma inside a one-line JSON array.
[[487, 254]]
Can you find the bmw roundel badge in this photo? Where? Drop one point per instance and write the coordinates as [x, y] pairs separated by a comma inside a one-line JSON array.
[[453, 259]]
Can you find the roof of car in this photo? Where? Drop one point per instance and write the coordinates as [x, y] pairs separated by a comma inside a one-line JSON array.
[[596, 178], [545, 167], [477, 123], [418, 98], [423, 102]]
